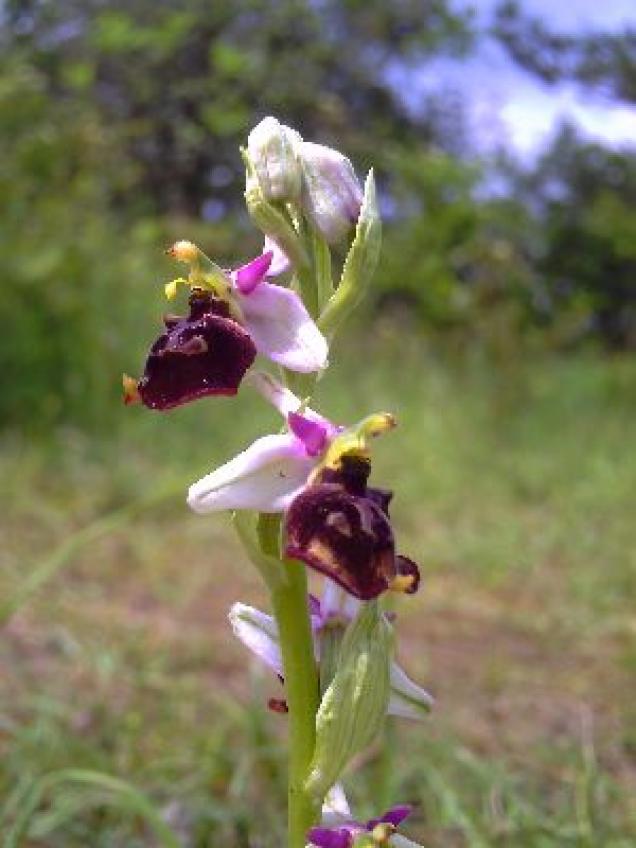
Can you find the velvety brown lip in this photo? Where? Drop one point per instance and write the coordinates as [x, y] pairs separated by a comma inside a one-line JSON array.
[[205, 353]]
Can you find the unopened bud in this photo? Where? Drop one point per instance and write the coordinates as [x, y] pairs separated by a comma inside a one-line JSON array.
[[269, 219], [271, 147], [331, 194], [353, 708]]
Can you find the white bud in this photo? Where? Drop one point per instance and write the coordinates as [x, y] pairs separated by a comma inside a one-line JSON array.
[[271, 147], [331, 194]]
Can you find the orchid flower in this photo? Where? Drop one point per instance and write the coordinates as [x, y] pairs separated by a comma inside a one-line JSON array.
[[345, 834], [259, 633], [233, 316], [336, 815], [316, 474]]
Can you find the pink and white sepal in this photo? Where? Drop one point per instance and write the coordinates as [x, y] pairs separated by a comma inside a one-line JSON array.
[[276, 317], [274, 469]]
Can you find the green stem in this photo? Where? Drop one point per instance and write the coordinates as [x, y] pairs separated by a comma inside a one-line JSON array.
[[291, 609]]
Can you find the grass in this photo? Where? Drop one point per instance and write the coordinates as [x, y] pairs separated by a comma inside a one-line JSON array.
[[125, 709]]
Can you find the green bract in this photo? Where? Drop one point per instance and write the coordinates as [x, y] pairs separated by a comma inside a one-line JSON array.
[[360, 263], [354, 705]]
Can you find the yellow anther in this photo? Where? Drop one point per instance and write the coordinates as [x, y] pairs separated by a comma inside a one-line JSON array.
[[353, 442], [382, 832], [402, 583], [171, 288], [347, 444], [131, 391], [376, 425]]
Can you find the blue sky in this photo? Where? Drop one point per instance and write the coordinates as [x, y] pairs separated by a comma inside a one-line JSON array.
[[508, 105]]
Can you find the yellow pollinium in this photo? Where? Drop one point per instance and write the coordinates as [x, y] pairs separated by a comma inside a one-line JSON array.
[[353, 442], [171, 287], [381, 833], [402, 583], [204, 273], [131, 390]]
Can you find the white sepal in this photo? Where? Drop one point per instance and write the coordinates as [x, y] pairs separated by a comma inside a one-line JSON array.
[[266, 477]]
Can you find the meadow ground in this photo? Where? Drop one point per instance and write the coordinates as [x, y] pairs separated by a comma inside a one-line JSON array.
[[515, 492]]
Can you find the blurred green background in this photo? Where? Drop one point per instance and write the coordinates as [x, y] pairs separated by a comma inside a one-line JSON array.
[[501, 329]]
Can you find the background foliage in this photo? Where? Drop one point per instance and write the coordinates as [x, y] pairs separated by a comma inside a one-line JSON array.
[[120, 125], [502, 322]]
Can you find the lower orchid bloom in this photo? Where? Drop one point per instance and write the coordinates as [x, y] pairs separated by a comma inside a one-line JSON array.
[[316, 473], [258, 632], [345, 832], [338, 827], [233, 316]]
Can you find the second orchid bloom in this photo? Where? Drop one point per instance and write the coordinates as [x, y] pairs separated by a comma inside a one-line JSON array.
[[233, 316], [316, 473]]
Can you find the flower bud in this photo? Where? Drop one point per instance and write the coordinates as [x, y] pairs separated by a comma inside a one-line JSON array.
[[360, 264], [331, 193], [352, 710], [271, 147], [269, 219]]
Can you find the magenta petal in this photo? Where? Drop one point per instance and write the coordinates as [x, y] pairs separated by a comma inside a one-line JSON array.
[[328, 837], [247, 277], [312, 434], [394, 816]]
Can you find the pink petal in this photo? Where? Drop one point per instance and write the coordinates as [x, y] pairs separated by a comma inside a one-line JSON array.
[[247, 277], [394, 816], [310, 433], [282, 329]]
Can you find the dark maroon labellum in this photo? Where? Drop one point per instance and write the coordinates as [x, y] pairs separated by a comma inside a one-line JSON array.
[[206, 353], [341, 527]]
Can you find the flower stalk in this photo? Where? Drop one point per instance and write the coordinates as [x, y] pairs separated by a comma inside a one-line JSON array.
[[302, 692], [291, 611]]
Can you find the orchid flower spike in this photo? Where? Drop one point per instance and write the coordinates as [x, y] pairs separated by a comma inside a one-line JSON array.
[[259, 633], [233, 316]]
